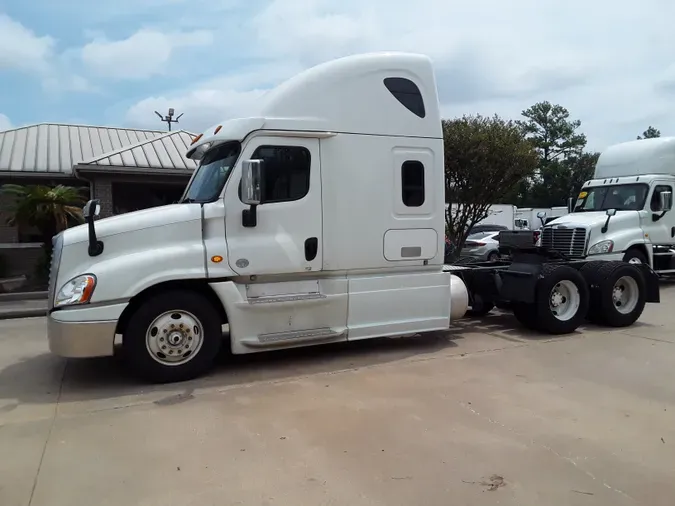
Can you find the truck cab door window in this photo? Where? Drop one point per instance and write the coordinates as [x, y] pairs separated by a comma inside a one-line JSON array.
[[655, 203], [286, 172]]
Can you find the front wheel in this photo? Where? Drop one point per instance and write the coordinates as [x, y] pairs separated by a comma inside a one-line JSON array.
[[635, 256], [174, 336]]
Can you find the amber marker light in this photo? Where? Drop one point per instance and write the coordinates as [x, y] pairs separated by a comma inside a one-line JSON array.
[[216, 259], [217, 129], [197, 138]]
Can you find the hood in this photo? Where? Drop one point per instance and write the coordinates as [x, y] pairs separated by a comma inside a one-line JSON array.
[[137, 220], [592, 219]]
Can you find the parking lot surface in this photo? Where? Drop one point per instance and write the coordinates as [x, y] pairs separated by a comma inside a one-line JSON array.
[[484, 414]]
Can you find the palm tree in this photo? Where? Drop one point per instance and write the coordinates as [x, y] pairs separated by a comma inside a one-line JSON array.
[[49, 209]]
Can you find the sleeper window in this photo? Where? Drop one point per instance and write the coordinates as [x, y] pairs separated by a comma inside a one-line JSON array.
[[412, 183]]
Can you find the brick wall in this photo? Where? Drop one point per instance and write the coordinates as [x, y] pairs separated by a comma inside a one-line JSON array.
[[103, 192], [19, 260]]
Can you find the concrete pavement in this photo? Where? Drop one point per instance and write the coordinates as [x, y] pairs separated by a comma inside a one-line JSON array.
[[485, 414]]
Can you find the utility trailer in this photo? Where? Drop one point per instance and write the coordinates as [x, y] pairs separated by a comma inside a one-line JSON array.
[[550, 293]]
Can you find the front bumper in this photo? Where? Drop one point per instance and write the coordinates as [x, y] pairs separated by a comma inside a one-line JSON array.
[[83, 332], [607, 257]]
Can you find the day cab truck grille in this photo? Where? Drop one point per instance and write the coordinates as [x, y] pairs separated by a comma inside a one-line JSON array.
[[568, 241]]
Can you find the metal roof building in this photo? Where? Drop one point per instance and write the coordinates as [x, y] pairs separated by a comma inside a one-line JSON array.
[[57, 150], [126, 169]]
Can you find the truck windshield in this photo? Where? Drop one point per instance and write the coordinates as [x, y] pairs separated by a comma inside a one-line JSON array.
[[625, 197], [212, 173]]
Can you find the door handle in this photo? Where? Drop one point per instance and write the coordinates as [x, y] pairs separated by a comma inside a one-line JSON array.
[[311, 248]]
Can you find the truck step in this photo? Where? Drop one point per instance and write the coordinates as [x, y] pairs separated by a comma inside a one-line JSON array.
[[294, 336], [293, 297]]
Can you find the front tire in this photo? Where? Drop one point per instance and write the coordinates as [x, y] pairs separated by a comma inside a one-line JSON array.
[[174, 336], [635, 256]]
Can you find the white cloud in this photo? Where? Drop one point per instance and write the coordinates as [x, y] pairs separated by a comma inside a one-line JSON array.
[[202, 107], [5, 124], [211, 101], [144, 54], [22, 49], [606, 61]]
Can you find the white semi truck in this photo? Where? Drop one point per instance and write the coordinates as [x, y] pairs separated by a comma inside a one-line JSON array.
[[317, 220], [624, 212]]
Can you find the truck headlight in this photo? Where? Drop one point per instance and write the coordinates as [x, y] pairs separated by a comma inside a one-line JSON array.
[[601, 248], [76, 291]]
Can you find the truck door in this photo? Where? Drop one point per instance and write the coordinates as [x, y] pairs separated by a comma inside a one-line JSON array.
[[662, 231], [288, 235]]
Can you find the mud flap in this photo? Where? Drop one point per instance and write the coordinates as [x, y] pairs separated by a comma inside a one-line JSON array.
[[651, 283]]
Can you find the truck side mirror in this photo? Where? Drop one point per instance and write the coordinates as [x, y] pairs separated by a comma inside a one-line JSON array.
[[251, 191], [609, 213], [251, 182], [541, 215], [570, 204], [666, 201], [91, 209]]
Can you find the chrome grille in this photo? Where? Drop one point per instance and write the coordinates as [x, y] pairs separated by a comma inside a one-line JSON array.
[[568, 241], [57, 247]]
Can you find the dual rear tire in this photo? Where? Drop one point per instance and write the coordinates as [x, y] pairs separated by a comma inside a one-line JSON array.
[[618, 293], [608, 293], [560, 304]]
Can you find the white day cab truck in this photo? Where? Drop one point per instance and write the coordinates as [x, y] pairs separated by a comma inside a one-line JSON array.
[[318, 219], [625, 211]]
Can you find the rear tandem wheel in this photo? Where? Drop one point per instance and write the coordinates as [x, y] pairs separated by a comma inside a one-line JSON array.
[[617, 293], [560, 304]]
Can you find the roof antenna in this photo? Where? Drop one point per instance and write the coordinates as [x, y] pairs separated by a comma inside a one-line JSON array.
[[168, 119]]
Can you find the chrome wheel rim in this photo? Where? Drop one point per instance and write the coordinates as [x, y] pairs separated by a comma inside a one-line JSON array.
[[564, 300], [625, 294], [174, 337]]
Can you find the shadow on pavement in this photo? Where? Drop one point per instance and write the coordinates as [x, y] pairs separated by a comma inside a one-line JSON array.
[[503, 324], [38, 379]]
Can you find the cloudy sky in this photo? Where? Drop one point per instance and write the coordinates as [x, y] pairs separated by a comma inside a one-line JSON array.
[[610, 62]]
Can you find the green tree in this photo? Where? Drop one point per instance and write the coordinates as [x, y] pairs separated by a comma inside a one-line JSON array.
[[485, 158], [561, 156], [581, 170], [551, 131], [650, 133], [49, 209], [559, 180]]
